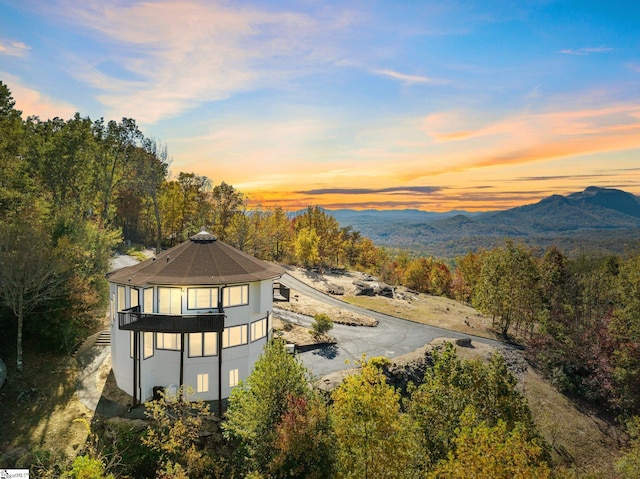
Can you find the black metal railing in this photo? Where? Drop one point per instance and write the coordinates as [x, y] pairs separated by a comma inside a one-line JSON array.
[[132, 319]]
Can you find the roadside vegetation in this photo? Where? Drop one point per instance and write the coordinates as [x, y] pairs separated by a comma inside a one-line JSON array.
[[73, 191]]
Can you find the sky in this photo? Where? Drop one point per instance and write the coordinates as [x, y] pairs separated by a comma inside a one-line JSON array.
[[434, 105]]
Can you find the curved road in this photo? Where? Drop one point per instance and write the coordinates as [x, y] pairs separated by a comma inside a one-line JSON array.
[[392, 337]]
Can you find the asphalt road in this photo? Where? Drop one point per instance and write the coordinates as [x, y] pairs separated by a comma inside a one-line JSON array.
[[392, 337]]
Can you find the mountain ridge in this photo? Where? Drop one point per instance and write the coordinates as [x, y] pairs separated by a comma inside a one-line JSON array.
[[606, 220]]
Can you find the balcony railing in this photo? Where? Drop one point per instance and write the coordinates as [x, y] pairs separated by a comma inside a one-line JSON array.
[[132, 319]]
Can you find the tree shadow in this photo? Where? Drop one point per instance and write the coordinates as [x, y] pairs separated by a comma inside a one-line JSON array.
[[330, 351]]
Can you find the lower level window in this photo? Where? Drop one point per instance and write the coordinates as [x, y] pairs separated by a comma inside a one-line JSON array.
[[203, 383], [234, 336], [233, 378], [168, 341], [148, 345], [203, 344], [258, 329]]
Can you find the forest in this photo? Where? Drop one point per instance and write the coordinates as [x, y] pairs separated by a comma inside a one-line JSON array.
[[74, 191]]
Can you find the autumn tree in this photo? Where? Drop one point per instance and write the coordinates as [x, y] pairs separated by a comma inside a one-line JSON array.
[[481, 451], [260, 402], [373, 438], [226, 201], [438, 404]]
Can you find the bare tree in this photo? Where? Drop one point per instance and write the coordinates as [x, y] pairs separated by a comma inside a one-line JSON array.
[[29, 275]]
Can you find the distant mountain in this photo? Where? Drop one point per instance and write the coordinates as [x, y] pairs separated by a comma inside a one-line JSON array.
[[603, 220]]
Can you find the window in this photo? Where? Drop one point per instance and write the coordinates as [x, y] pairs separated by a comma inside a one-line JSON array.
[[203, 344], [259, 329], [203, 383], [235, 295], [147, 300], [168, 341], [132, 342], [122, 305], [233, 378], [234, 336], [170, 300], [202, 298], [148, 345], [133, 297]]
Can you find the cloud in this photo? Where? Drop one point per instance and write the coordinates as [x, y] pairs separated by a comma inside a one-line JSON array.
[[410, 79], [13, 48], [173, 55], [369, 191], [585, 51], [33, 103]]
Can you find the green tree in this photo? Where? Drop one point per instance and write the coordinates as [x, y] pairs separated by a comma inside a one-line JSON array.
[[492, 452], [438, 404], [628, 466], [258, 404], [176, 424], [373, 438], [226, 201], [30, 272], [321, 324]]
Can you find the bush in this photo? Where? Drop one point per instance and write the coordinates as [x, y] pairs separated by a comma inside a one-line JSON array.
[[322, 324]]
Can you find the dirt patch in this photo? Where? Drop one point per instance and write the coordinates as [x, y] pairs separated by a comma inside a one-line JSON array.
[[422, 308], [298, 335]]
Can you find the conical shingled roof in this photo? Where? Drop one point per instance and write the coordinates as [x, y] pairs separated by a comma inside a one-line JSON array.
[[202, 260]]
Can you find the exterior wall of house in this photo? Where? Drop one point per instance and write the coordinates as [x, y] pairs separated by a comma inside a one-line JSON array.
[[161, 367]]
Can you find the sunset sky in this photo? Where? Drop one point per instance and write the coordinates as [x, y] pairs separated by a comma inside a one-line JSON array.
[[436, 105]]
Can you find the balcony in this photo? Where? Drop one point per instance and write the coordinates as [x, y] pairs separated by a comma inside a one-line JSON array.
[[132, 319]]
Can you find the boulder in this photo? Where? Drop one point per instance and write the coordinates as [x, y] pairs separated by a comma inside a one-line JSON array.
[[363, 288], [335, 289]]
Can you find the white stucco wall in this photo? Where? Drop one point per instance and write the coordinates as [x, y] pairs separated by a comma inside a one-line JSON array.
[[163, 368]]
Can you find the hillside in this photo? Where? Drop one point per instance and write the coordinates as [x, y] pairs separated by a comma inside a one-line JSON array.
[[596, 220]]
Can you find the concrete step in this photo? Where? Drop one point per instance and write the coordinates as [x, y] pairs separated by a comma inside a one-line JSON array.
[[104, 338]]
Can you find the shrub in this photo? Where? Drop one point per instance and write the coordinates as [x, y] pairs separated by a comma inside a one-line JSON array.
[[322, 324]]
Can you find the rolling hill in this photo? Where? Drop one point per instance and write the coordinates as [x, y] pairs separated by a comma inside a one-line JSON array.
[[596, 220]]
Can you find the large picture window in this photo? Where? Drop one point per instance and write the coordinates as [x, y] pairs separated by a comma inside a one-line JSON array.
[[258, 329], [134, 297], [122, 305], [203, 344], [235, 295], [202, 298], [148, 344], [170, 300], [147, 300], [168, 341], [234, 336]]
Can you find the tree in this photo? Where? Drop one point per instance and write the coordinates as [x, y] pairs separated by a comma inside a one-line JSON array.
[[176, 423], [322, 324], [450, 387], [304, 445], [115, 147], [373, 438], [226, 202], [30, 275], [258, 404], [492, 452], [306, 247], [628, 466]]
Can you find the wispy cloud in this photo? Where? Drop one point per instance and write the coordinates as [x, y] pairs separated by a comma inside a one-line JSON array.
[[13, 48], [33, 103], [369, 191], [410, 79], [585, 50], [184, 53]]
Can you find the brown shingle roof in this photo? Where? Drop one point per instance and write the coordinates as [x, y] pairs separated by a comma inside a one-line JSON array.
[[202, 260]]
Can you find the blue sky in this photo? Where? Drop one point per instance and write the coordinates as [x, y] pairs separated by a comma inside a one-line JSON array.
[[418, 104]]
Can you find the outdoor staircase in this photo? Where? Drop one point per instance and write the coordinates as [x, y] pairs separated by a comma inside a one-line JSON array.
[[104, 338]]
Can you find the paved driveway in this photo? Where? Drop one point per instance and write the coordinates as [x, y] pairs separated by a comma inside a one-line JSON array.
[[392, 337]]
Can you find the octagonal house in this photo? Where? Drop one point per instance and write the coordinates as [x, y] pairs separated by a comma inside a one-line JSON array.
[[198, 314]]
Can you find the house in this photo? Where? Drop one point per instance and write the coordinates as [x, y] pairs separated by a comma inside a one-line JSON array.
[[198, 314]]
